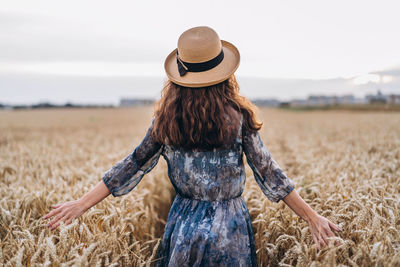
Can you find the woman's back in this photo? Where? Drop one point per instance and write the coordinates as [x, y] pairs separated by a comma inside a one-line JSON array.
[[211, 175], [208, 223]]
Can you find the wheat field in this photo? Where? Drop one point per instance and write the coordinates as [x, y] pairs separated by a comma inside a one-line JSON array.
[[346, 165]]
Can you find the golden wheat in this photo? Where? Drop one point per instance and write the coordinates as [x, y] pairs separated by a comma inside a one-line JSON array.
[[346, 165]]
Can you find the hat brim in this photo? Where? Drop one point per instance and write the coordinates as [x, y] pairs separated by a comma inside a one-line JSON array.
[[219, 73]]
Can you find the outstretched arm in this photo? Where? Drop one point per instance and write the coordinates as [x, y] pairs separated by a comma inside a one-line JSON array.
[[277, 186], [67, 212]]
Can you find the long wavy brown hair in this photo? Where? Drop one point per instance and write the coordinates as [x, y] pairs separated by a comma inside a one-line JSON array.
[[205, 117]]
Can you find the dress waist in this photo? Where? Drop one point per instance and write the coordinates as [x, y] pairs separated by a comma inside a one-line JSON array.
[[216, 200]]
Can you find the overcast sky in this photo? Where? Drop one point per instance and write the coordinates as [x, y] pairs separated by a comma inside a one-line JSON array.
[[99, 51]]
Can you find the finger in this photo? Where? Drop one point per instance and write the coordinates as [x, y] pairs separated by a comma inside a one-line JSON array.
[[58, 223], [56, 219], [319, 238], [322, 239], [56, 205], [329, 232], [325, 239], [69, 221], [52, 213], [316, 241], [334, 226], [322, 243]]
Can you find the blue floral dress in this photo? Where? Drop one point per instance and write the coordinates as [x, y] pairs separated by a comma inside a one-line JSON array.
[[208, 223]]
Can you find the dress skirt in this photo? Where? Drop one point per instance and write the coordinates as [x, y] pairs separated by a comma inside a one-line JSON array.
[[207, 233]]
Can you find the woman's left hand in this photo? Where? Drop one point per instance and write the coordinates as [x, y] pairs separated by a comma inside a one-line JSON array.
[[321, 229], [65, 212]]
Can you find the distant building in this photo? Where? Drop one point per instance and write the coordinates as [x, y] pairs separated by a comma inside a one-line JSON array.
[[362, 100], [134, 102], [378, 98], [324, 100], [346, 100], [267, 102], [298, 102], [394, 99], [321, 100]]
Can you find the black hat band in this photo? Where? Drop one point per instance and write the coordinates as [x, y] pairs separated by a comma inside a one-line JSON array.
[[184, 67]]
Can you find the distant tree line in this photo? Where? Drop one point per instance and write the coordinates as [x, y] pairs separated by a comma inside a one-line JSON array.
[[44, 105]]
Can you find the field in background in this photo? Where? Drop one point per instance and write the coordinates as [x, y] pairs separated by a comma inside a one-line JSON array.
[[346, 165], [343, 107]]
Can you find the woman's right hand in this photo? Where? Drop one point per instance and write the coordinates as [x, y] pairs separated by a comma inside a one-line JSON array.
[[322, 229], [68, 211], [65, 212]]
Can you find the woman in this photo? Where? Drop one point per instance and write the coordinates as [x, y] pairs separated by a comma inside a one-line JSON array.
[[202, 127]]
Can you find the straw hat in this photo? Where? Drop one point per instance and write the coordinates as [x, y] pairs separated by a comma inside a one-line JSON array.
[[201, 59]]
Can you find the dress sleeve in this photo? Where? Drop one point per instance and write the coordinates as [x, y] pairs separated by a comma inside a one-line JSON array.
[[127, 173], [269, 176]]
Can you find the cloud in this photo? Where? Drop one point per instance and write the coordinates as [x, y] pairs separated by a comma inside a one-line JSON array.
[[394, 71]]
